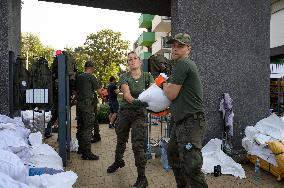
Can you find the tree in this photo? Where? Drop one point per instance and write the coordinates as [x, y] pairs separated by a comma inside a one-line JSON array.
[[32, 48], [106, 49]]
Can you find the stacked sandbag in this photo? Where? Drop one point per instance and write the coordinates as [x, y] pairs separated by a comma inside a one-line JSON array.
[[12, 165], [13, 136], [7, 181], [263, 141], [22, 153], [36, 121]]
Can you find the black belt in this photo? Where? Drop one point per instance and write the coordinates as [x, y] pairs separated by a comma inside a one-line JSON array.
[[197, 115]]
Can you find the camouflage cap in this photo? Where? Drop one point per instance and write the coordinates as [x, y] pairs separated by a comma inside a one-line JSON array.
[[182, 38], [89, 64]]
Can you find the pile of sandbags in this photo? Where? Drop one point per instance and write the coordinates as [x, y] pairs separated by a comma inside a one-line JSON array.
[[264, 141], [36, 121], [22, 152]]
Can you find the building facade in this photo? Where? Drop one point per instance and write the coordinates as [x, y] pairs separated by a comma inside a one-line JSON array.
[[153, 41]]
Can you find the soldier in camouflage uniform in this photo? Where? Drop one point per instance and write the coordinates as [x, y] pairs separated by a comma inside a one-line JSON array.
[[185, 91], [132, 114], [96, 136], [86, 87]]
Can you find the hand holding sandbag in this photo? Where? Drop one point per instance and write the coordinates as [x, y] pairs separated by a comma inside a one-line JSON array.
[[162, 78], [155, 98]]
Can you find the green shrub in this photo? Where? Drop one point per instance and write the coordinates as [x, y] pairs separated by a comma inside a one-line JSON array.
[[103, 112]]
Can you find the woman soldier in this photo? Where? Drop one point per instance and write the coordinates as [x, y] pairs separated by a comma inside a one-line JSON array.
[[132, 114]]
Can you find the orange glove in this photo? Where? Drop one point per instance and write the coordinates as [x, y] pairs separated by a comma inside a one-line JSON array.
[[160, 80]]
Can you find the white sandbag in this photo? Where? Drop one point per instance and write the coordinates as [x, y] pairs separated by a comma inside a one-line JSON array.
[[257, 136], [213, 155], [11, 139], [74, 145], [35, 139], [7, 182], [18, 130], [18, 127], [250, 131], [60, 180], [11, 165], [17, 120], [272, 126], [36, 121], [262, 139], [264, 153], [45, 156], [10, 126], [156, 99], [24, 154]]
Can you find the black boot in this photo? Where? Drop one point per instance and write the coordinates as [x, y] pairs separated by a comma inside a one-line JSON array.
[[96, 139], [116, 165], [89, 156], [141, 182]]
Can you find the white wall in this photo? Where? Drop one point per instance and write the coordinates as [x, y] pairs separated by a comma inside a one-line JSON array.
[[277, 25], [157, 46]]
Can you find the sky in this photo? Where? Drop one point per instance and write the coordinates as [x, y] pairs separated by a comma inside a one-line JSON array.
[[62, 25]]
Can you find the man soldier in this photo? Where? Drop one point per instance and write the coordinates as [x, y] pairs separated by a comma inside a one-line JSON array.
[[185, 91], [86, 87]]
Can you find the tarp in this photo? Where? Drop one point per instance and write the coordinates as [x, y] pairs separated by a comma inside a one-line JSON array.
[[213, 155]]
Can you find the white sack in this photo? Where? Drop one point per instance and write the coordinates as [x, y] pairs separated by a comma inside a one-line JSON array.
[[11, 139], [11, 165], [15, 124], [74, 144], [17, 120], [24, 154], [29, 115], [264, 153], [36, 121], [156, 99], [60, 180], [262, 139], [45, 156], [250, 131], [35, 139], [10, 126], [7, 182], [272, 126], [213, 155]]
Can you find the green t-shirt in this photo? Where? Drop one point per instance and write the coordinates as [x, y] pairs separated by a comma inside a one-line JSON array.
[[190, 97], [86, 86], [135, 86]]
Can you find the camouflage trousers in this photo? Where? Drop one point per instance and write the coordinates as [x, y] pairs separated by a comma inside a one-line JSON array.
[[96, 127], [184, 151], [134, 119], [85, 124]]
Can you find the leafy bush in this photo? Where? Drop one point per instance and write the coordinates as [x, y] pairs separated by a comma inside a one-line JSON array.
[[103, 112]]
